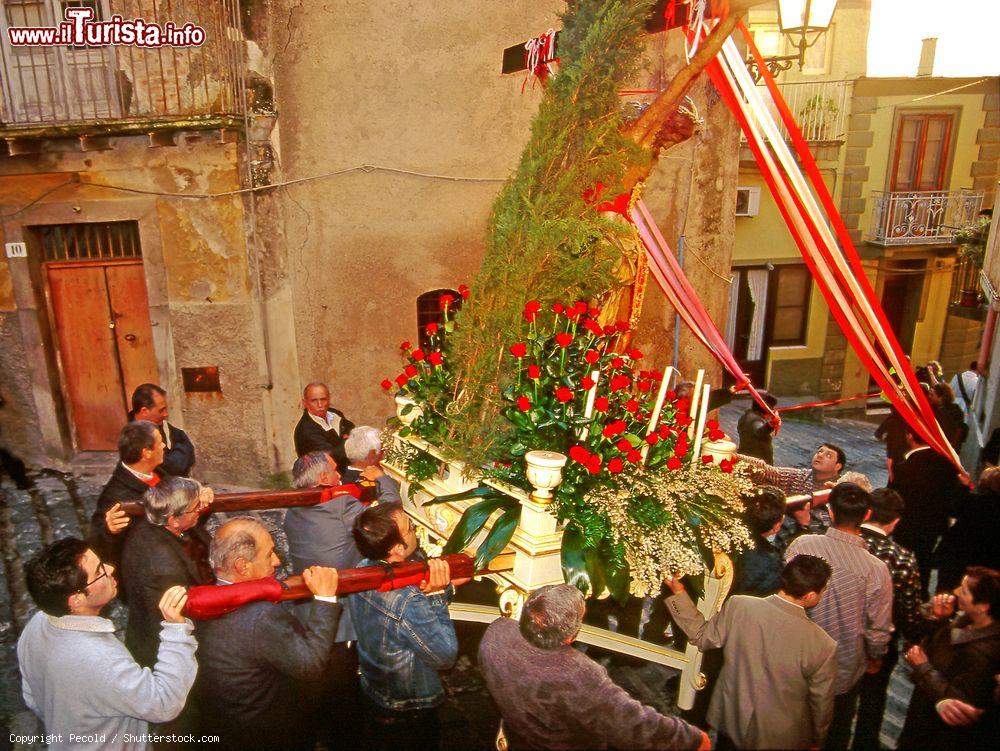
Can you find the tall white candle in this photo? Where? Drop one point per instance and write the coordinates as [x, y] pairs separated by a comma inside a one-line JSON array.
[[654, 416], [695, 395], [588, 410]]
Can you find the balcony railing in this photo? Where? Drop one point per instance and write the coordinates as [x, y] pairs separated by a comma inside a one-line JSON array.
[[64, 85], [921, 218], [820, 108]]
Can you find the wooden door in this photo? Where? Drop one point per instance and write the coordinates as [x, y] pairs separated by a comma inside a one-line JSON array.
[[101, 319]]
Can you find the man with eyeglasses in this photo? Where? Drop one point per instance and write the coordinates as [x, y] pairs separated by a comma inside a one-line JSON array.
[[77, 676], [164, 549]]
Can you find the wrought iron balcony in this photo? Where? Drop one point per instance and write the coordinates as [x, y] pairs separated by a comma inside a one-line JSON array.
[[921, 218], [81, 89], [820, 108]]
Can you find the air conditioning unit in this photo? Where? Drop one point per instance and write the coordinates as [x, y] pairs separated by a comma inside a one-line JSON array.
[[747, 201]]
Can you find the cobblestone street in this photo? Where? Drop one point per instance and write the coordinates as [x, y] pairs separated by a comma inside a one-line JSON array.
[[59, 505]]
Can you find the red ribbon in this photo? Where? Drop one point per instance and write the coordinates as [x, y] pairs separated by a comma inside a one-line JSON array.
[[915, 410]]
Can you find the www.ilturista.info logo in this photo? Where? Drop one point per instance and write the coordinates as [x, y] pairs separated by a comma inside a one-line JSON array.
[[80, 30]]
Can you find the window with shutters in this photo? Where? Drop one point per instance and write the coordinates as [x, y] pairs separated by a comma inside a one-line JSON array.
[[923, 146]]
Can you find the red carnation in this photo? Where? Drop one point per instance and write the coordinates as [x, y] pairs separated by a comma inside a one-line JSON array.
[[580, 306], [673, 463], [593, 327], [635, 354], [594, 312], [579, 454], [434, 358], [620, 382], [587, 383], [591, 356], [670, 396], [615, 466], [683, 405], [615, 428], [712, 424], [563, 394], [707, 459], [405, 345], [617, 362], [432, 329], [631, 405], [558, 307], [624, 445], [417, 354], [601, 403], [652, 439], [609, 330], [683, 420], [634, 457], [401, 379], [680, 449], [410, 370], [386, 384], [564, 339], [531, 310], [534, 371], [446, 300], [594, 464], [523, 403], [726, 466], [664, 431], [518, 350], [716, 435], [644, 386], [464, 291], [621, 325]]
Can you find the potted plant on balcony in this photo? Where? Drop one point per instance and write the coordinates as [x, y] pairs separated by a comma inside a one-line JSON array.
[[971, 241], [817, 117]]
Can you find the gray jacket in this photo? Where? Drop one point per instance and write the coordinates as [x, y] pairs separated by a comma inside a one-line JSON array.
[[776, 687], [321, 536], [81, 680]]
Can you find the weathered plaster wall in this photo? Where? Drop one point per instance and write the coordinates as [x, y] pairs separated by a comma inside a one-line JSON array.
[[424, 94], [421, 93], [197, 276]]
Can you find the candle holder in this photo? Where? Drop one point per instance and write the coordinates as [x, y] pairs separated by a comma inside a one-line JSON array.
[[719, 450], [410, 415], [544, 470]]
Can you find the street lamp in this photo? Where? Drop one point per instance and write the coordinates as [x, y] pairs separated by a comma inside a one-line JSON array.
[[802, 21]]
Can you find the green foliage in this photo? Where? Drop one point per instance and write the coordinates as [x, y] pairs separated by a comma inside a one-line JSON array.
[[544, 235]]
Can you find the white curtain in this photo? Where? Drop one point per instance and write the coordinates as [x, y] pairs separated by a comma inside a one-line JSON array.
[[734, 300], [757, 282]]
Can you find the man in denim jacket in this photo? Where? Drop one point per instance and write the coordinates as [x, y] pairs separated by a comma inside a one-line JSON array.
[[405, 636]]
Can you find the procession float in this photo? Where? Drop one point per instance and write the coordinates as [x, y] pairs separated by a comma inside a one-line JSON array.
[[534, 444]]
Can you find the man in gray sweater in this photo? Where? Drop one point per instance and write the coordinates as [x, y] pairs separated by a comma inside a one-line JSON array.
[[553, 696], [77, 676]]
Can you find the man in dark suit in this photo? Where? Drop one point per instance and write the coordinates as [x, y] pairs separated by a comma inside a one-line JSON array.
[[149, 402], [164, 549], [259, 665], [140, 452], [932, 489], [322, 428]]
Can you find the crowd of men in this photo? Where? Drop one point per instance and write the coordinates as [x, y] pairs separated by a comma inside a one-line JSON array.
[[833, 590]]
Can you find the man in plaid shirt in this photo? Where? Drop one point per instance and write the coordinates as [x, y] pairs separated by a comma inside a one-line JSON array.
[[827, 464], [887, 508]]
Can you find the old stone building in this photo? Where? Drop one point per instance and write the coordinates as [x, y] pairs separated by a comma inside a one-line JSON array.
[[280, 199]]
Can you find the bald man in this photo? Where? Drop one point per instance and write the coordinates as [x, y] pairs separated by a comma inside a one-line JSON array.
[[322, 428], [259, 666]]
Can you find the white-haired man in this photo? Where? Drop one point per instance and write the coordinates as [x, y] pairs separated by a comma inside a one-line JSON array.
[[364, 463], [164, 549]]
